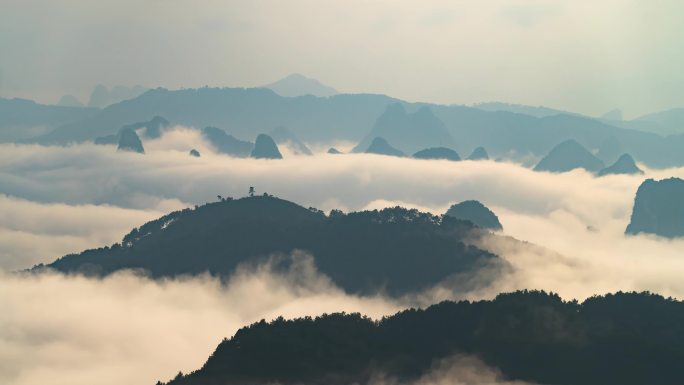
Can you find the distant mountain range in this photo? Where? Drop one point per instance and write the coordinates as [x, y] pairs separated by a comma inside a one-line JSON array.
[[536, 111], [531, 336], [410, 127], [359, 251]]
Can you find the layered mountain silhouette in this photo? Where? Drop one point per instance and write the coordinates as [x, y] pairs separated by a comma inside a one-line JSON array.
[[129, 141], [479, 154], [568, 156], [624, 165], [381, 147], [299, 85], [395, 250], [69, 101], [227, 144], [437, 153], [353, 117], [284, 137], [536, 111], [668, 122], [659, 208], [102, 96], [531, 336], [334, 151], [22, 119], [265, 148], [151, 129], [610, 150], [409, 132], [475, 212]]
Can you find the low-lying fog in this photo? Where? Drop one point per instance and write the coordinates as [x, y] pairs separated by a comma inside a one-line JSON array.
[[126, 329]]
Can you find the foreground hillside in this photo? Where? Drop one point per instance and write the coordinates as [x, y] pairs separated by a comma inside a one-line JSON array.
[[395, 250], [624, 338]]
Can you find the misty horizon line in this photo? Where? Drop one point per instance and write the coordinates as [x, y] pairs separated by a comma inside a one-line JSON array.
[[83, 97]]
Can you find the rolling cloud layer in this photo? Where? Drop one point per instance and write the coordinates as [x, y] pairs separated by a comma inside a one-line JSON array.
[[126, 329]]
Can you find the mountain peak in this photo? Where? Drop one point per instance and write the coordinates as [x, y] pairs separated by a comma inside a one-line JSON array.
[[265, 148], [624, 165], [129, 141], [475, 212], [380, 146], [299, 85], [659, 208], [567, 156], [479, 154]]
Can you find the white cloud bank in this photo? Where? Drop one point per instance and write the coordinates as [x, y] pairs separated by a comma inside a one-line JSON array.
[[69, 330], [124, 329]]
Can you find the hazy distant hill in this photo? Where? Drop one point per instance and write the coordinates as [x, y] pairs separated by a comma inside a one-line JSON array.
[[624, 165], [568, 156], [283, 136], [102, 96], [478, 154], [531, 336], [23, 119], [151, 129], [227, 144], [69, 101], [409, 132], [670, 121], [659, 208], [396, 250], [437, 153], [536, 111], [300, 85], [381, 147]]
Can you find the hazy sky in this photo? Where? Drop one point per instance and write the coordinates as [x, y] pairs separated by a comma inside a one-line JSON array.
[[586, 56]]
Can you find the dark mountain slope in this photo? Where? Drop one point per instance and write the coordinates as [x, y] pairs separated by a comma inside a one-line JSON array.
[[475, 212], [129, 141], [623, 338], [395, 249], [265, 148], [659, 208]]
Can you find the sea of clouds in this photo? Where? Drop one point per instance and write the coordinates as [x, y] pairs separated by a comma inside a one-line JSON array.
[[57, 329]]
